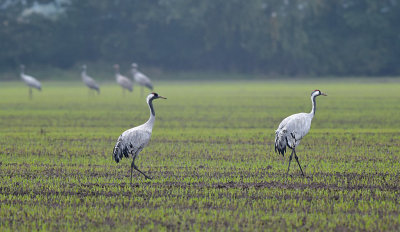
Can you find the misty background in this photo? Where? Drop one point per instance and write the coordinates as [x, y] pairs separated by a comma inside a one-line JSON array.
[[268, 37]]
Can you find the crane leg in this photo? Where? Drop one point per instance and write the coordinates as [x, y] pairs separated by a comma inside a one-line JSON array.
[[297, 159], [133, 166], [290, 159], [30, 93]]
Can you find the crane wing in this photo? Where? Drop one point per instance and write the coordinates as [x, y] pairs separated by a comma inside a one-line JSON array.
[[299, 126], [291, 130], [31, 81], [130, 142], [125, 82], [143, 80], [91, 83]]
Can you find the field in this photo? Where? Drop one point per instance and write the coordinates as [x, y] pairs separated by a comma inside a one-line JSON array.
[[211, 156]]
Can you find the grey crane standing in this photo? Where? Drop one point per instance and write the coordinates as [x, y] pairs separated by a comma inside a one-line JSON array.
[[30, 81], [123, 81], [89, 82], [141, 79], [293, 128], [131, 142]]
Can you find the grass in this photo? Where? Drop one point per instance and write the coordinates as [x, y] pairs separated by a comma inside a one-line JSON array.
[[211, 157]]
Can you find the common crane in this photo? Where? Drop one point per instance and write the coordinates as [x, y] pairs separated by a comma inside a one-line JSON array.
[[89, 82], [141, 79], [293, 128], [131, 142], [123, 81], [30, 81]]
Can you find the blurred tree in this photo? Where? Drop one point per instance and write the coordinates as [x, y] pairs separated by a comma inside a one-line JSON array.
[[289, 37]]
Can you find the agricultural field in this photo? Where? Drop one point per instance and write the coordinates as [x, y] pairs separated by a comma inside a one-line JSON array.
[[211, 157]]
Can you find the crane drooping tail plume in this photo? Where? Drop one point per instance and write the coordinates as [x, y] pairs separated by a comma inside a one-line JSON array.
[[280, 142], [120, 150], [149, 86]]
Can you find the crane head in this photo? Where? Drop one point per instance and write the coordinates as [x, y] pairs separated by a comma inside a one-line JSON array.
[[134, 65], [317, 92], [84, 66], [154, 96]]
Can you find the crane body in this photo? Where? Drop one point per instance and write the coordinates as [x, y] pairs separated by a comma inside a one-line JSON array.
[[30, 81], [293, 128], [89, 81], [141, 79], [123, 81], [131, 142]]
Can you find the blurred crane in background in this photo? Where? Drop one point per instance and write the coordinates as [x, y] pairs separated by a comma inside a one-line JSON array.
[[89, 82], [30, 81], [141, 79], [131, 142], [293, 128], [123, 81]]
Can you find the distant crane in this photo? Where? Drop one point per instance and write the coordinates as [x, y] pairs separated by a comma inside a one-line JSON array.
[[123, 81], [89, 82], [141, 79], [131, 142], [293, 128], [30, 81]]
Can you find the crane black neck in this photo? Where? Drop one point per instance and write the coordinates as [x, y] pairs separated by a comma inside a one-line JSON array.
[[151, 107], [314, 105]]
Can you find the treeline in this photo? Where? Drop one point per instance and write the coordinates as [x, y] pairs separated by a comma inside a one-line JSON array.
[[284, 37]]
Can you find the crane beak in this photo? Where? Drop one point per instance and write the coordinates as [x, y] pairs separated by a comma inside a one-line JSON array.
[[324, 94], [162, 97]]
